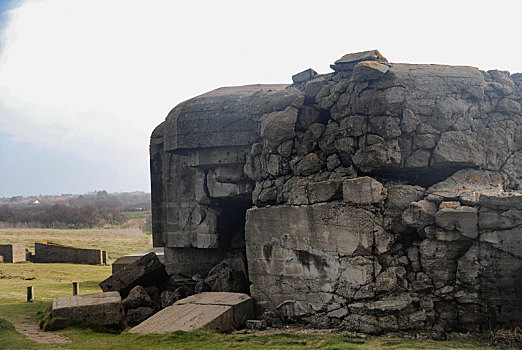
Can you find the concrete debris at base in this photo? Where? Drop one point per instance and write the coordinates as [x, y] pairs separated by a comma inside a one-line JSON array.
[[218, 311], [145, 271], [125, 260], [103, 309]]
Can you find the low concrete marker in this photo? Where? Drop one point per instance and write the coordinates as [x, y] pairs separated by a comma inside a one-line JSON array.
[[218, 311]]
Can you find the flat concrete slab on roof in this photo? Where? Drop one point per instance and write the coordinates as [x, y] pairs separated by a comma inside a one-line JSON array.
[[219, 311]]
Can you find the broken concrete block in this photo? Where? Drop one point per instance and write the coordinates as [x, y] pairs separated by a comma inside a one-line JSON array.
[[303, 76], [363, 190], [125, 260], [348, 61], [137, 297], [221, 312], [222, 278], [453, 216], [145, 271], [103, 309], [368, 70]]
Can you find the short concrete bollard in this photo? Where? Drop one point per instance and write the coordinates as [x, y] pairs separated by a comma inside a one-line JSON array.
[[75, 288], [30, 294]]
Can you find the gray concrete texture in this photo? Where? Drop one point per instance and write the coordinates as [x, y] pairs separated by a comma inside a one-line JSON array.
[[103, 309], [125, 260], [218, 311], [147, 270], [381, 197]]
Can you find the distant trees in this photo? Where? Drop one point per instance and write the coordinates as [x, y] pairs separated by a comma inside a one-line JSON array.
[[61, 216], [89, 210]]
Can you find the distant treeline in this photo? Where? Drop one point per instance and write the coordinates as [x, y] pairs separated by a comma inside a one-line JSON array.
[[61, 216], [128, 201], [125, 200]]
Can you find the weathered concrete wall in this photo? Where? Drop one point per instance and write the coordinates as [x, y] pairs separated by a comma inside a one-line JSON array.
[[48, 252], [386, 196], [340, 264], [13, 253], [199, 191]]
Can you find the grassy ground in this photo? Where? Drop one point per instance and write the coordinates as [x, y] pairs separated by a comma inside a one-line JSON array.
[[54, 280], [205, 340], [117, 241]]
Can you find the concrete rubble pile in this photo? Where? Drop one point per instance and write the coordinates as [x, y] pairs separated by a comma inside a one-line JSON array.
[[380, 197], [142, 288]]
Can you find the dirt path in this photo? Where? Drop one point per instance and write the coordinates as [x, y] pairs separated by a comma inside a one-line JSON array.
[[34, 333]]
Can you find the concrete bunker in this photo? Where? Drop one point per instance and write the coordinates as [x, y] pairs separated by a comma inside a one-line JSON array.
[[384, 197]]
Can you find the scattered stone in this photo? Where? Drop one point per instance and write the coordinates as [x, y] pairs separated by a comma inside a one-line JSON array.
[[255, 325]]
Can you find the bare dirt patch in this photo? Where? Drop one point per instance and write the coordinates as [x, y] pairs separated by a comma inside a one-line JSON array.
[[32, 332]]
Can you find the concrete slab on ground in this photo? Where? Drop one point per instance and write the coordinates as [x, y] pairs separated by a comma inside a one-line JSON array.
[[104, 309], [219, 311]]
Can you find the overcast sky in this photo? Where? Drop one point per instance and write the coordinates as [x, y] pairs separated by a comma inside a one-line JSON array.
[[84, 82]]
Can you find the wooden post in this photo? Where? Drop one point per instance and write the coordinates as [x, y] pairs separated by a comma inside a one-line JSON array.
[[75, 288], [30, 294]]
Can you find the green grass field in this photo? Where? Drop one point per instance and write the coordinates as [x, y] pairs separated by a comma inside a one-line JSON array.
[[117, 241], [54, 280]]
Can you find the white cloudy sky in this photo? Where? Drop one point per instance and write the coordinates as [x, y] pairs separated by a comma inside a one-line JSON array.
[[84, 82]]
